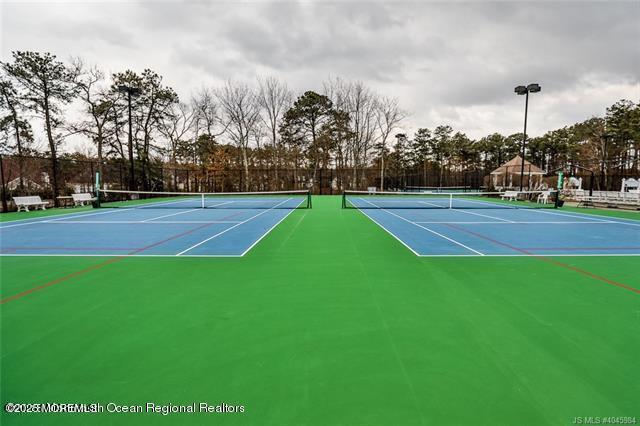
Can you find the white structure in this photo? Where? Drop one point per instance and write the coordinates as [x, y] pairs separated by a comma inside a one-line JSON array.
[[502, 177], [630, 185]]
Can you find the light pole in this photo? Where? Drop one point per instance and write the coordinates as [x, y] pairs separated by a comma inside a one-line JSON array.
[[131, 92], [525, 90]]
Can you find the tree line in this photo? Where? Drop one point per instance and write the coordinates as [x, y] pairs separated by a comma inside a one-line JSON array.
[[137, 119]]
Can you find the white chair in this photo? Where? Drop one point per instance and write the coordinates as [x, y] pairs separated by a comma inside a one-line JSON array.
[[543, 197]]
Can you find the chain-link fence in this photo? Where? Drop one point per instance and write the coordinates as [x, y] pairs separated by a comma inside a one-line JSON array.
[[31, 175]]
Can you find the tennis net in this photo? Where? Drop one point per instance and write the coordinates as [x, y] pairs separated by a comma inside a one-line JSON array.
[[453, 200], [195, 200]]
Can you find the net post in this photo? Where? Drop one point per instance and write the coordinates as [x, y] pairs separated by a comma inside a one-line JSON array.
[[202, 200], [309, 199], [450, 201], [344, 199], [97, 189], [558, 189]]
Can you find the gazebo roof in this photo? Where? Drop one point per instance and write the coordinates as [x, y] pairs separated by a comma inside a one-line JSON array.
[[514, 165]]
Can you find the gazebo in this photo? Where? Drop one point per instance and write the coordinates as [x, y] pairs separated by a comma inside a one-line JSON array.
[[502, 177]]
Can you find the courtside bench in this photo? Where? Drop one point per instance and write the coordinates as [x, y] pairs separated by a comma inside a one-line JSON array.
[[623, 200], [82, 199], [23, 203]]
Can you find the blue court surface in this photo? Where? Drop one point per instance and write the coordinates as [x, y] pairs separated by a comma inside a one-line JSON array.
[[496, 231], [148, 230]]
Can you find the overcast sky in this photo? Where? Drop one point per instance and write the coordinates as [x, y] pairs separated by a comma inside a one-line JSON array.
[[450, 63]]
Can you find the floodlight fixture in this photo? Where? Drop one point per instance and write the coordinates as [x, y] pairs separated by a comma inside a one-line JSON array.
[[521, 90], [534, 88]]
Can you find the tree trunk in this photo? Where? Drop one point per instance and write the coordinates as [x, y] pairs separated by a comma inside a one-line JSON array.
[[16, 126], [99, 141], [424, 172], [52, 147], [382, 171], [276, 162], [245, 163]]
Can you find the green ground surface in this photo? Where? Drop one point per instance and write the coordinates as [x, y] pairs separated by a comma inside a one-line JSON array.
[[329, 320]]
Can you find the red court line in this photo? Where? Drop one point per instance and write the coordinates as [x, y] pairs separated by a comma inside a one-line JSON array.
[[98, 266], [548, 260]]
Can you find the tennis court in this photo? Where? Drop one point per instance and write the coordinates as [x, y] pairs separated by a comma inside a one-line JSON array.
[[474, 225], [165, 225]]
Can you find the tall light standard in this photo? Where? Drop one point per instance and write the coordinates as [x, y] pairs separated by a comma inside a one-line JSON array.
[[132, 92], [525, 90]]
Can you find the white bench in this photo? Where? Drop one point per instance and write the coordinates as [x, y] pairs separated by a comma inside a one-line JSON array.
[[23, 203], [622, 199], [510, 195], [82, 199]]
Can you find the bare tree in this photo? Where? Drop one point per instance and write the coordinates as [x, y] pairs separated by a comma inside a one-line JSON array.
[[388, 116], [242, 110], [208, 117], [275, 98], [176, 127], [101, 104], [361, 104]]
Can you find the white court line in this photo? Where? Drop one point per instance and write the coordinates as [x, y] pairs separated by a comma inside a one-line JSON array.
[[79, 215], [484, 215], [239, 255], [115, 255], [463, 211], [495, 205], [188, 211], [537, 254], [231, 227], [525, 208], [270, 229], [65, 217], [57, 218], [389, 232], [432, 204], [38, 218], [585, 216], [425, 228], [186, 222], [516, 222], [168, 215], [579, 215]]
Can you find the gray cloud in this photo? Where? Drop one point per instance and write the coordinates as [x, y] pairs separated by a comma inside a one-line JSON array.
[[455, 62]]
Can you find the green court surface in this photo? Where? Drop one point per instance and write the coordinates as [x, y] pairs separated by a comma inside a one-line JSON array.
[[328, 321]]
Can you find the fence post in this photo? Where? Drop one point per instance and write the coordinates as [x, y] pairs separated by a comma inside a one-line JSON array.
[[4, 190]]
